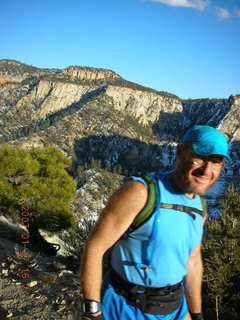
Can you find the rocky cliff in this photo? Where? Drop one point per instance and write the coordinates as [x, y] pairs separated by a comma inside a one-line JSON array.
[[48, 92], [86, 73], [93, 113]]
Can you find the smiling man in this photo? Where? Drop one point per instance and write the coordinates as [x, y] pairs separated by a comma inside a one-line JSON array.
[[200, 159], [156, 265]]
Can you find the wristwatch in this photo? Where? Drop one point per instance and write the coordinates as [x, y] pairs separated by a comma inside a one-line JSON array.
[[91, 306], [196, 316]]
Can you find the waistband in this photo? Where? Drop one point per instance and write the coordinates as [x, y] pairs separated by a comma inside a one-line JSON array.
[[118, 281], [153, 300]]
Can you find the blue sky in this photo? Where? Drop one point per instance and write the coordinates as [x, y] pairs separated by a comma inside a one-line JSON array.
[[190, 48]]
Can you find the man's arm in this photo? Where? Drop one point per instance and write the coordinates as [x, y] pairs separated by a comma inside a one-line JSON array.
[[115, 219], [193, 281]]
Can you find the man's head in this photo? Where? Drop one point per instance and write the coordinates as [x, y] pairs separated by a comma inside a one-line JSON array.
[[200, 159]]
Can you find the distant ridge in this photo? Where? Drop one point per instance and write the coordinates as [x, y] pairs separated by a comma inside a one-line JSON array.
[[14, 67]]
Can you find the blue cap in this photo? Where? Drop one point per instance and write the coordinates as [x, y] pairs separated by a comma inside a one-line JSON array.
[[206, 141]]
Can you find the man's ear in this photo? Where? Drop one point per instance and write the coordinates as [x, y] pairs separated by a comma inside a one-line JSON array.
[[182, 148]]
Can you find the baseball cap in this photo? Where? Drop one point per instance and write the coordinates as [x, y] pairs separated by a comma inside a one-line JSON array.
[[206, 141]]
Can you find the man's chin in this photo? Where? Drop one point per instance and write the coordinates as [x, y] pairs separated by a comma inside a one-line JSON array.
[[200, 189]]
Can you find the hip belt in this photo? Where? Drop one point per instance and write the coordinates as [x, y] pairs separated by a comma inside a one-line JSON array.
[[157, 301]]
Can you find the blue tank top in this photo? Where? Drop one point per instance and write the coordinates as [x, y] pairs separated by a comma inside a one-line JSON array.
[[177, 235]]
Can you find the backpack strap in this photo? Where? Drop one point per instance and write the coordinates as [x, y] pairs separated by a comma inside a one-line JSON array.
[[152, 204], [204, 206], [186, 209], [147, 211]]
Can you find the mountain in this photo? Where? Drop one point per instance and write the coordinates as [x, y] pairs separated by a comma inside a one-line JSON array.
[[94, 114]]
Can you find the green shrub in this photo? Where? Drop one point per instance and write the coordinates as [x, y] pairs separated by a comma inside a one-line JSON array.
[[221, 253]]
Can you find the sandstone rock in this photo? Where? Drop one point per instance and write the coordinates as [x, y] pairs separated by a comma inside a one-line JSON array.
[[5, 272], [53, 267], [45, 276], [9, 315], [82, 73], [12, 266], [32, 284]]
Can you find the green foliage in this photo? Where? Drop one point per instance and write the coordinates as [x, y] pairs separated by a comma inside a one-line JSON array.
[[221, 252], [38, 180]]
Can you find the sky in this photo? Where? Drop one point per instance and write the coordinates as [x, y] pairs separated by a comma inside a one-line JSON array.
[[190, 48]]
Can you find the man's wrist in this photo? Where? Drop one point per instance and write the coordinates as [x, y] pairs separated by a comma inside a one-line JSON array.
[[196, 316], [91, 306], [95, 316]]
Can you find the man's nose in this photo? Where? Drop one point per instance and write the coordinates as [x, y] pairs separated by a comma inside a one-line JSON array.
[[207, 168]]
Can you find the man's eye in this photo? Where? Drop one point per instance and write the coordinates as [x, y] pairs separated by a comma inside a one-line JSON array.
[[197, 162], [217, 161]]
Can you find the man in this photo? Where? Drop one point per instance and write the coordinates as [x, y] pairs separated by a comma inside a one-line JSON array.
[[156, 269]]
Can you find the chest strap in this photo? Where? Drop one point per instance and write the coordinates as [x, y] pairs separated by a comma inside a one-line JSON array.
[[154, 202], [182, 208]]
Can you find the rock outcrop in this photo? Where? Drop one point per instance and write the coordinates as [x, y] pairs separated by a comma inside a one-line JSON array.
[[85, 73]]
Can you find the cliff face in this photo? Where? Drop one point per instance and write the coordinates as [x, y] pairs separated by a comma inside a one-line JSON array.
[[42, 93], [84, 73], [94, 113], [230, 123], [145, 106], [47, 93]]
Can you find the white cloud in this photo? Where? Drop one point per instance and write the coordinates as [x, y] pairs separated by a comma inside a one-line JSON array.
[[196, 4], [201, 5], [222, 13]]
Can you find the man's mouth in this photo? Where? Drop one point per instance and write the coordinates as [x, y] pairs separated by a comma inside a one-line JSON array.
[[202, 180]]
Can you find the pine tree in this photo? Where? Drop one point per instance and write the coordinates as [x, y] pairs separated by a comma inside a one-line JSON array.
[[221, 253], [37, 180]]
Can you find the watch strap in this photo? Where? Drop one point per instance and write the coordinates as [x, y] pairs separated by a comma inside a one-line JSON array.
[[91, 306], [196, 316]]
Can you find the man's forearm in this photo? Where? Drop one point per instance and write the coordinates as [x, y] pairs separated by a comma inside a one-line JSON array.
[[91, 273], [193, 286]]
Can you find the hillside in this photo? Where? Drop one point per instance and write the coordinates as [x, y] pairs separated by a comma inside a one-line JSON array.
[[111, 128], [91, 113]]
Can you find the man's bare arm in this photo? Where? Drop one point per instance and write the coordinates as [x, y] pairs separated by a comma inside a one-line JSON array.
[[115, 219], [193, 281]]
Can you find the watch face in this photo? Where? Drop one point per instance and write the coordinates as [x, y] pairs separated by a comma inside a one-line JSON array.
[[90, 306]]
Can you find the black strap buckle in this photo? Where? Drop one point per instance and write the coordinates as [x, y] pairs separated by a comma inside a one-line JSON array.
[[138, 289], [138, 296]]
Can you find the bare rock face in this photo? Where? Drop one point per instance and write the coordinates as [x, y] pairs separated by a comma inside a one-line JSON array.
[[51, 97], [230, 123], [84, 73], [29, 94], [39, 93], [4, 78], [145, 106], [55, 96]]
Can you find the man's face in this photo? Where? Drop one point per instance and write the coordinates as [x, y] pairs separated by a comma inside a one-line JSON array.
[[196, 174]]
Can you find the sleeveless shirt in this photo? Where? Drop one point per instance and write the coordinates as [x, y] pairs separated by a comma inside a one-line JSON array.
[[177, 236]]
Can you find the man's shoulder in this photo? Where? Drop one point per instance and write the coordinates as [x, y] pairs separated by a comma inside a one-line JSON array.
[[132, 187], [151, 175]]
